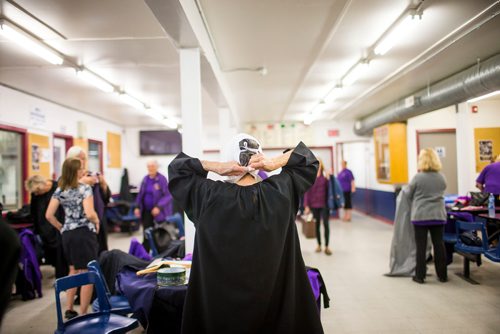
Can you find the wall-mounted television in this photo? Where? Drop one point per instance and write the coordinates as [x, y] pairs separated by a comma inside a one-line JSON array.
[[160, 142]]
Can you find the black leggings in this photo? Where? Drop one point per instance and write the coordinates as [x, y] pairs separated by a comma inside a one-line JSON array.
[[147, 221], [318, 214], [439, 250]]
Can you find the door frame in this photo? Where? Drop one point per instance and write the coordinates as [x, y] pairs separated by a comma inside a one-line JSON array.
[[418, 132], [68, 142], [101, 148], [24, 157]]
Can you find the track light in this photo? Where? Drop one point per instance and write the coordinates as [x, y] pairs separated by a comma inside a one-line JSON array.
[[95, 80], [397, 33], [29, 43], [354, 73], [132, 101]]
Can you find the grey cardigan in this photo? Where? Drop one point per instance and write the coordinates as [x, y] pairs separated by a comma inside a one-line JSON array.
[[426, 192]]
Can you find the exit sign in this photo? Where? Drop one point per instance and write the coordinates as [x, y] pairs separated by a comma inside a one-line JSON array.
[[333, 133]]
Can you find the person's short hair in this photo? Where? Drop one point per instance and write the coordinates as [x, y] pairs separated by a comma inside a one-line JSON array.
[[74, 152], [153, 161], [428, 161], [34, 183]]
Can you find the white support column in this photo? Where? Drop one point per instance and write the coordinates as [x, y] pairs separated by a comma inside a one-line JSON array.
[[465, 150], [191, 117]]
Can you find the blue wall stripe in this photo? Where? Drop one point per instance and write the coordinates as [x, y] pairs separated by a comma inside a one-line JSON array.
[[375, 202]]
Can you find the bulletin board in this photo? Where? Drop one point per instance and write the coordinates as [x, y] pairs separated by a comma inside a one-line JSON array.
[[486, 146], [114, 144], [39, 155]]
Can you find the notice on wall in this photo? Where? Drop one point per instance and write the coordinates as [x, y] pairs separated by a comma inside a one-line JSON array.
[[485, 150], [37, 117], [441, 151]]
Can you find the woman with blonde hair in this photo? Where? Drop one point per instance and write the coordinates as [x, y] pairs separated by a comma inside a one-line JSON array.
[[80, 228], [428, 213]]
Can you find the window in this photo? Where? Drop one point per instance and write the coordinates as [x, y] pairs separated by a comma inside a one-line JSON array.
[[11, 177], [95, 156]]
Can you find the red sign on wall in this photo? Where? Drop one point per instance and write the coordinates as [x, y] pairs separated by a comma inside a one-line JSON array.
[[333, 133]]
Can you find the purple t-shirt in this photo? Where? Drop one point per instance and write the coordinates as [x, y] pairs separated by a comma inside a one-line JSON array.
[[490, 178], [345, 178], [149, 201]]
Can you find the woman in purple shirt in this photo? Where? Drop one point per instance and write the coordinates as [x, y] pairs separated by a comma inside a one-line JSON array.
[[154, 200], [315, 201], [489, 179], [346, 180]]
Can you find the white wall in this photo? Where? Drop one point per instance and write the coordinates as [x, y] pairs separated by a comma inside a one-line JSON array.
[[488, 116], [16, 108]]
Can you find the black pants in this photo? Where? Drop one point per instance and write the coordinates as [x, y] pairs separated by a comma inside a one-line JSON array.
[[439, 250], [321, 214], [147, 221]]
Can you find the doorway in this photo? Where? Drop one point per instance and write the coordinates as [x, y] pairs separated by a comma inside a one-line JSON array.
[[445, 143], [61, 145]]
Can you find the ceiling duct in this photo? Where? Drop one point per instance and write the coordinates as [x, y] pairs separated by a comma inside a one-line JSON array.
[[477, 80]]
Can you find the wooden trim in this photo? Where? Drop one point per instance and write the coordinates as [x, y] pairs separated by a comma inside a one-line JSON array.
[[24, 157], [101, 148]]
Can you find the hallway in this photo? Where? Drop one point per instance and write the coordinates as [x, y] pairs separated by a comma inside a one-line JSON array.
[[362, 299]]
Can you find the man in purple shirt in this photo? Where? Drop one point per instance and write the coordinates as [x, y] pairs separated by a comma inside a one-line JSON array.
[[489, 179], [346, 180]]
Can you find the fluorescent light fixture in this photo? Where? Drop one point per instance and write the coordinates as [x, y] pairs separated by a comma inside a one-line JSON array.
[[354, 73], [29, 43], [396, 34], [332, 94], [132, 101], [484, 96], [157, 115], [95, 80], [314, 113], [308, 119], [170, 123]]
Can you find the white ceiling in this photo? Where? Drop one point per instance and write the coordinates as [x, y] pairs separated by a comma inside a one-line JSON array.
[[306, 46]]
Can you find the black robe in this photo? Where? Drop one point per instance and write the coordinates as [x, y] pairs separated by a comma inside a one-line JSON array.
[[247, 275]]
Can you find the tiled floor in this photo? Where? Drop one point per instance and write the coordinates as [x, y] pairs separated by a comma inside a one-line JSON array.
[[363, 300]]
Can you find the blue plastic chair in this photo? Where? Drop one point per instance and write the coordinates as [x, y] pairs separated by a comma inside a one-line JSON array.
[[98, 322], [128, 221], [493, 254], [119, 304], [470, 253], [151, 240]]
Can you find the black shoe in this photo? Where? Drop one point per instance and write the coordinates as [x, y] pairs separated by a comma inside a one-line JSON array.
[[418, 280], [70, 314], [443, 280]]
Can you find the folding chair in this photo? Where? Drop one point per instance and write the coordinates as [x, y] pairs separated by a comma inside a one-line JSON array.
[[119, 304], [98, 322], [470, 253]]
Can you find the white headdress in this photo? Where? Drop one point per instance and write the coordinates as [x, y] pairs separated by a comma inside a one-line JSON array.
[[240, 149]]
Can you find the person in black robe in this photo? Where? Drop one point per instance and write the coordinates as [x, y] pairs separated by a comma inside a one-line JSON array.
[[41, 190], [9, 262], [247, 274]]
